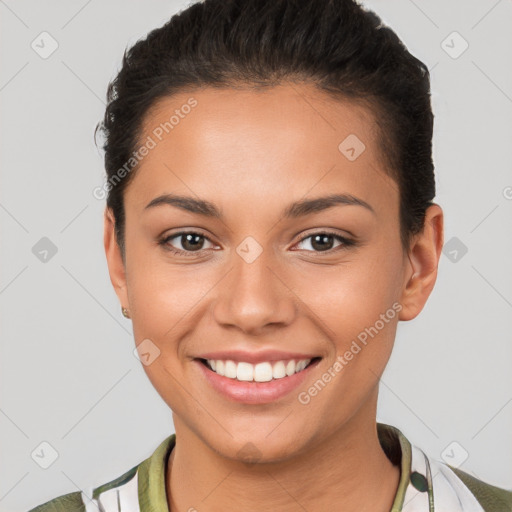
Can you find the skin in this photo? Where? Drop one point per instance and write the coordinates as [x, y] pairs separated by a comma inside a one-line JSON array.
[[252, 153]]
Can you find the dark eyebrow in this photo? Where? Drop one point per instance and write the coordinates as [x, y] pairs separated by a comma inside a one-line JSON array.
[[297, 209], [199, 206], [307, 206]]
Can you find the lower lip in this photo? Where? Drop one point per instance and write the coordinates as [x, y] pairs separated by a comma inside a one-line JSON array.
[[255, 392]]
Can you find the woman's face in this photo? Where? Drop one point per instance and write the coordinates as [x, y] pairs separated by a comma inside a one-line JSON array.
[[263, 276]]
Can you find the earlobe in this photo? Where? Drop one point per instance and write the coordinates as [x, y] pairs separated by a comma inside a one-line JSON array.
[[423, 255], [116, 267]]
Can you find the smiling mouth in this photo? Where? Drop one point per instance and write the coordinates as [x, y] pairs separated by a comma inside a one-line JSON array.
[[261, 372]]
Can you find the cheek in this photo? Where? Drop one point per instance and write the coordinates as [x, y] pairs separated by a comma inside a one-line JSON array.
[[163, 299], [358, 311], [161, 293], [353, 295]]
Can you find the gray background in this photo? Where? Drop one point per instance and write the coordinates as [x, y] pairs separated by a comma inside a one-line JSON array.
[[68, 373]]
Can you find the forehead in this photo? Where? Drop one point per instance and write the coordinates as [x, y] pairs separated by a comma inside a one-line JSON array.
[[289, 139]]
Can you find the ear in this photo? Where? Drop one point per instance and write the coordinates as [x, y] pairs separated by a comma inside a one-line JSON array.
[[424, 253], [116, 267]]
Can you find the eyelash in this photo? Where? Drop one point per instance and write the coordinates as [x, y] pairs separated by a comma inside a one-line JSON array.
[[346, 242]]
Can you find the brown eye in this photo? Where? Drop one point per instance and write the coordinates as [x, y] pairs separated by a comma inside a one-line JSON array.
[[186, 242], [191, 241], [324, 241]]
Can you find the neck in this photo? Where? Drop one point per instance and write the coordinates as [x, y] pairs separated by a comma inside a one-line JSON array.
[[349, 468]]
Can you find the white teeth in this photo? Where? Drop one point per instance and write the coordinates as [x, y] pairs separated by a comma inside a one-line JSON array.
[[230, 369], [300, 366], [261, 372], [279, 370], [244, 371]]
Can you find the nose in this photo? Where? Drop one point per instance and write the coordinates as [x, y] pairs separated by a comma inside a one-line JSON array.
[[253, 297]]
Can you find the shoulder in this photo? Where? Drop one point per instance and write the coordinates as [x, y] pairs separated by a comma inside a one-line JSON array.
[[449, 488], [490, 497], [71, 502], [453, 486], [76, 501], [142, 486]]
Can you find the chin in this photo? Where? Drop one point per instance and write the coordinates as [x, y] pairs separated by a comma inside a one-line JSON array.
[[259, 449]]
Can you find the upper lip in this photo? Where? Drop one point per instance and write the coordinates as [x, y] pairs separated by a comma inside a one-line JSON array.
[[256, 357]]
